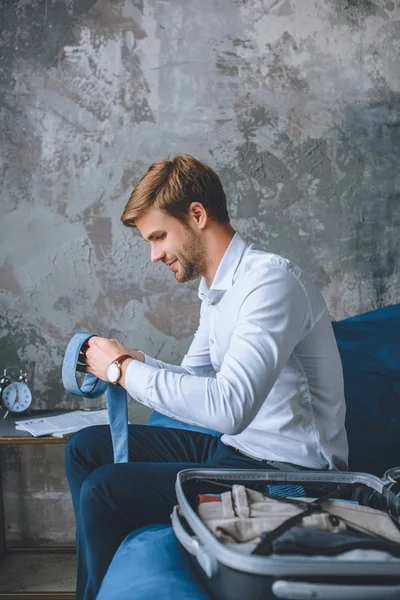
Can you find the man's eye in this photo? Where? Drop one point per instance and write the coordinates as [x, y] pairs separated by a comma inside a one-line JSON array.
[[161, 237]]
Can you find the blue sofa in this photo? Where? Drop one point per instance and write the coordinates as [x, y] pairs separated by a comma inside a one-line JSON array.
[[150, 562]]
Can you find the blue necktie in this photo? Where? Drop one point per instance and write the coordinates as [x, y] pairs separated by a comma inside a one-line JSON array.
[[93, 387]]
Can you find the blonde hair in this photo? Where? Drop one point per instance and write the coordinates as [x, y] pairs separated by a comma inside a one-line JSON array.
[[172, 185]]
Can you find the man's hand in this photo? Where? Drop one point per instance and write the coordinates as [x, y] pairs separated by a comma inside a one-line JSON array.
[[99, 352]]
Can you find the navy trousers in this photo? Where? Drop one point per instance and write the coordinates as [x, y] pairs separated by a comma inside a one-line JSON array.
[[112, 500]]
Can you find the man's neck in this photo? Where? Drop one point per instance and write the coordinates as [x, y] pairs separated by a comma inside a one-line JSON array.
[[217, 244]]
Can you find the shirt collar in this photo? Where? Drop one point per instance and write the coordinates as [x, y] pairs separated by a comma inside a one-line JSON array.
[[223, 278]]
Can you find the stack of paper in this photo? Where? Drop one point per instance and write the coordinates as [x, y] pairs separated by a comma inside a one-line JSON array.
[[65, 424]]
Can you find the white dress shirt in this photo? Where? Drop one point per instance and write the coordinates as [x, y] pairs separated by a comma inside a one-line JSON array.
[[263, 368]]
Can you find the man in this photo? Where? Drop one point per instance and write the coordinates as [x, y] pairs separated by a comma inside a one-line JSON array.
[[263, 370]]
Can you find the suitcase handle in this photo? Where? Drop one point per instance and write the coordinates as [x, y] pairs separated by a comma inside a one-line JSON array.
[[208, 563], [296, 590]]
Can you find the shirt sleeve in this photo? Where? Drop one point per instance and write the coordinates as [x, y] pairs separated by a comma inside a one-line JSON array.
[[273, 317], [197, 361]]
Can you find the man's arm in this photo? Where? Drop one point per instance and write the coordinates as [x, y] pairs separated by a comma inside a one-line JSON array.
[[272, 320]]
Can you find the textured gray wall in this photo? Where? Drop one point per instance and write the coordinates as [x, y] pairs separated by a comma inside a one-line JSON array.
[[295, 103]]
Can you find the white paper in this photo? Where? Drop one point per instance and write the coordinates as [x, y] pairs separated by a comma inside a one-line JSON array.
[[62, 434], [63, 424]]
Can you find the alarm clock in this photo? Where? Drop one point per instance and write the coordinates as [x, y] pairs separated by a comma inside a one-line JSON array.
[[15, 394]]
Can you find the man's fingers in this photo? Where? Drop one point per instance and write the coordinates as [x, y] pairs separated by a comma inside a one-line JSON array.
[[82, 357]]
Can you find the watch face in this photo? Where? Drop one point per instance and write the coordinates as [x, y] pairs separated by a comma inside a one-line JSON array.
[[17, 397], [113, 373]]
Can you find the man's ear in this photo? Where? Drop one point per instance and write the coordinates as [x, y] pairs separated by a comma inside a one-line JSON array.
[[198, 214]]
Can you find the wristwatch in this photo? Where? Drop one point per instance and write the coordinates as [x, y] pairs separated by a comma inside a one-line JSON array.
[[114, 369]]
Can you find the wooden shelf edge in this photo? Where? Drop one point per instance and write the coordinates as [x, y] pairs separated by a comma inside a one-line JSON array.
[[37, 595], [40, 550]]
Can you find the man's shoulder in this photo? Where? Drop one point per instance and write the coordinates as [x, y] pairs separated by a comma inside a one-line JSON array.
[[256, 262], [259, 267]]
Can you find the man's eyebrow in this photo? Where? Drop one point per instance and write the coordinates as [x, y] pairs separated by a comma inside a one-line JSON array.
[[154, 234]]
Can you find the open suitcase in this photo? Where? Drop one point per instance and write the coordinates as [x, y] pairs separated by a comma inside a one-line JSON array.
[[230, 575]]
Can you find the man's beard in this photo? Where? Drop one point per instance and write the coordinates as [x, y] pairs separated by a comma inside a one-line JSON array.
[[192, 259]]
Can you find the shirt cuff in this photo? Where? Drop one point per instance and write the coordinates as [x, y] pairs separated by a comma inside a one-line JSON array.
[[149, 360], [137, 376]]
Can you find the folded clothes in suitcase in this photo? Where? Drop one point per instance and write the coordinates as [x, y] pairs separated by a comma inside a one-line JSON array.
[[339, 538]]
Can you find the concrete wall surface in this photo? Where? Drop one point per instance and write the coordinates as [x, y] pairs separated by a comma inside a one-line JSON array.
[[295, 104]]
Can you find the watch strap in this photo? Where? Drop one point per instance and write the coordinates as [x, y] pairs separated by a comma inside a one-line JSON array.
[[118, 361]]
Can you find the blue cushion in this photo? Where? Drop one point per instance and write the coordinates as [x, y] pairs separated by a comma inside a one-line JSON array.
[[150, 563], [160, 420], [369, 346]]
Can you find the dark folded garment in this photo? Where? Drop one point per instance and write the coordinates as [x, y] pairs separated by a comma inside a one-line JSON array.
[[312, 541]]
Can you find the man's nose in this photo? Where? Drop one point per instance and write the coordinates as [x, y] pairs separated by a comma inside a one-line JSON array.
[[156, 254]]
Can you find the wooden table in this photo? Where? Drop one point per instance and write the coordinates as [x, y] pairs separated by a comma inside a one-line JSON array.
[[10, 435]]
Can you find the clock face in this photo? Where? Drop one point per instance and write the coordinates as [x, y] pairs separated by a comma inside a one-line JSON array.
[[17, 397]]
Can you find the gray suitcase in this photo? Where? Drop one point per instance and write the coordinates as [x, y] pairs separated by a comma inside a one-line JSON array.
[[230, 575]]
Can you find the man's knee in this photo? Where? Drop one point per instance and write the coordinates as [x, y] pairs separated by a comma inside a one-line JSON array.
[[140, 490], [89, 445], [92, 485], [104, 492]]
